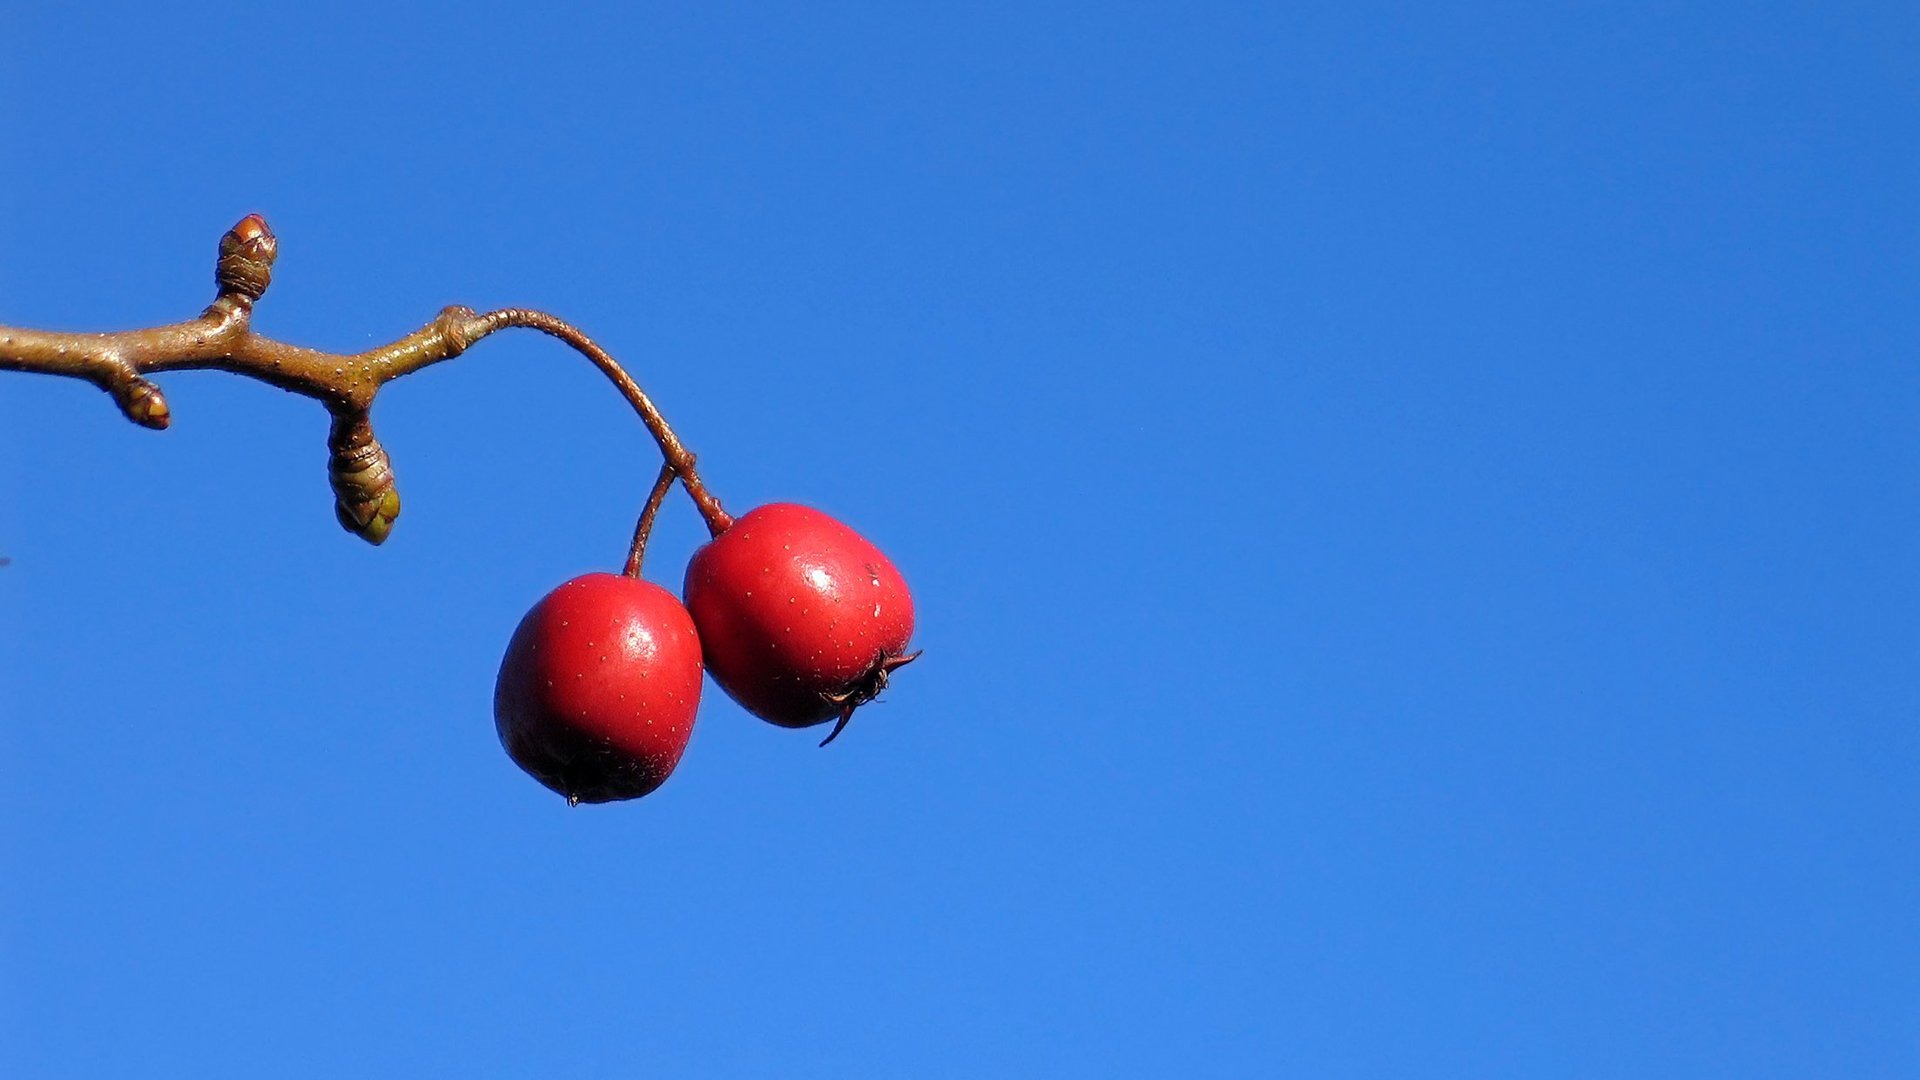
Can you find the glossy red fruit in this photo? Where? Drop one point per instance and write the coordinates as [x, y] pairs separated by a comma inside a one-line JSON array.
[[597, 694], [802, 619]]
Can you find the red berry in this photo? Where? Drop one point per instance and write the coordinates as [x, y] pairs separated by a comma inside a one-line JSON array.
[[598, 690], [802, 618]]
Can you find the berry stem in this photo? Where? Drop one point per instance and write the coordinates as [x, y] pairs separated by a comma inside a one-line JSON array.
[[643, 529], [222, 339], [677, 455]]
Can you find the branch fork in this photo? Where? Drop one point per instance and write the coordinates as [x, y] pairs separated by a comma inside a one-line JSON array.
[[358, 467]]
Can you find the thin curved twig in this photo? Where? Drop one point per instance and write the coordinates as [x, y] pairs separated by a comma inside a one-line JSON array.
[[643, 529]]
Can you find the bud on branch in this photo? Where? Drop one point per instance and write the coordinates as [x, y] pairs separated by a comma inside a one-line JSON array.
[[245, 267], [364, 498]]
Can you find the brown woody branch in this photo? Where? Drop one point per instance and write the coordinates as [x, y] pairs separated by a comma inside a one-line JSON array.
[[222, 339]]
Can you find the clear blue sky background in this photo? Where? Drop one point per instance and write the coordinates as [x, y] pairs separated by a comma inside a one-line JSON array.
[[1413, 515]]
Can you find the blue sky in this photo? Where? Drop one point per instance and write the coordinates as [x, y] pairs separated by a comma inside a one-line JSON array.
[[1412, 514]]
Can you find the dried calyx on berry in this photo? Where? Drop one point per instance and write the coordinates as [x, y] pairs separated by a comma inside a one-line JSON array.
[[864, 689]]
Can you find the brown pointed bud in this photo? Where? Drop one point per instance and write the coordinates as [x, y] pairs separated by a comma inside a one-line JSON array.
[[364, 498], [245, 266], [142, 402]]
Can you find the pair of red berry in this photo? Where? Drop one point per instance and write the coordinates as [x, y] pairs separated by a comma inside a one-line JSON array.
[[797, 617]]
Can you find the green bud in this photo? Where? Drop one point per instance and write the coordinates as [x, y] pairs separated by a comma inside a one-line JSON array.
[[364, 497], [376, 527]]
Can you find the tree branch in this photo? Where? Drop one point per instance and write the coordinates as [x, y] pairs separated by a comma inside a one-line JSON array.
[[222, 339]]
